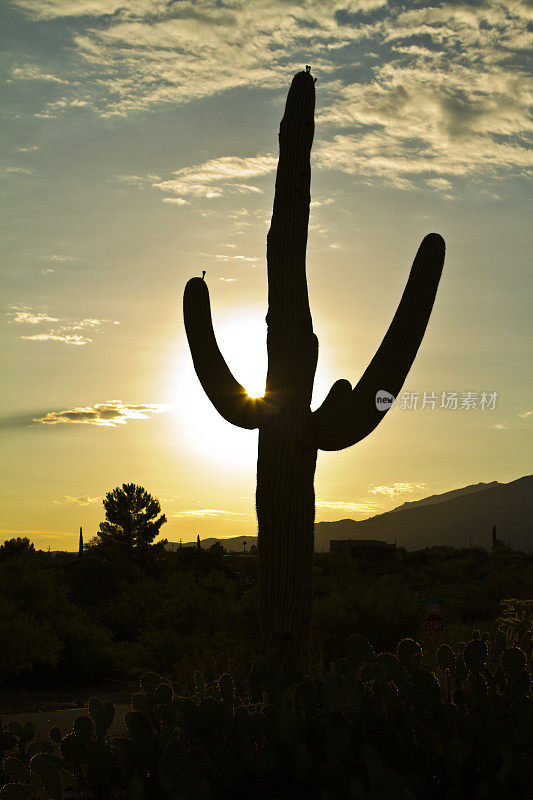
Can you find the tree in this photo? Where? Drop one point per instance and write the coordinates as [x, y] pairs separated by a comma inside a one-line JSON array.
[[16, 547], [130, 525], [290, 435]]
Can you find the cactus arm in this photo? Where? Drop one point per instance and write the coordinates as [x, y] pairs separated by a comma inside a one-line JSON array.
[[348, 415], [227, 395]]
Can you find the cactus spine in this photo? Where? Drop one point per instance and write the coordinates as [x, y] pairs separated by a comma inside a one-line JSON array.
[[289, 433]]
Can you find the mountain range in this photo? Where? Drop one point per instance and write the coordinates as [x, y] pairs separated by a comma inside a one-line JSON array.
[[456, 518]]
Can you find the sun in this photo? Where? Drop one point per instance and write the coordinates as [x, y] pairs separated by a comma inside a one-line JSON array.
[[209, 438]]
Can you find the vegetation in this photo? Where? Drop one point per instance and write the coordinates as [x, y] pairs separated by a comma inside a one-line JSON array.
[[412, 715], [383, 725], [78, 622], [16, 547], [131, 523]]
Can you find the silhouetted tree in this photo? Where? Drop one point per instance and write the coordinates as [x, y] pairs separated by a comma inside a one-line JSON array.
[[16, 547], [131, 522]]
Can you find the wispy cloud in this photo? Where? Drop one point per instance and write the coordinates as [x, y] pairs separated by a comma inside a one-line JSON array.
[[362, 507], [65, 332], [397, 488], [526, 414], [66, 338], [52, 9], [22, 314], [207, 512], [13, 170], [177, 201], [500, 426], [80, 500], [226, 258], [32, 73], [56, 257], [108, 415], [439, 91], [215, 177]]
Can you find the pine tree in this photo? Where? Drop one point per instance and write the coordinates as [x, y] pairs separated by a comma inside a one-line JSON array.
[[131, 522]]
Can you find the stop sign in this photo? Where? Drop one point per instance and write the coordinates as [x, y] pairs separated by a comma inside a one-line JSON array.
[[434, 623]]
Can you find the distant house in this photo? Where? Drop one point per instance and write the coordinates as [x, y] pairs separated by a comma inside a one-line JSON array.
[[364, 548]]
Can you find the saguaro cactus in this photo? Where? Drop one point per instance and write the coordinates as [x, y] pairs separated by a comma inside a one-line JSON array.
[[289, 433]]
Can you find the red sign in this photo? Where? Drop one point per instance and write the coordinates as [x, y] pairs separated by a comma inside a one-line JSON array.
[[434, 623]]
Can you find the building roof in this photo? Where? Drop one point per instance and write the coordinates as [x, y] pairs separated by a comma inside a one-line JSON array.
[[361, 542]]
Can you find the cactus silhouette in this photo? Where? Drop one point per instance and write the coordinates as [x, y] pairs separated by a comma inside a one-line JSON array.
[[289, 433]]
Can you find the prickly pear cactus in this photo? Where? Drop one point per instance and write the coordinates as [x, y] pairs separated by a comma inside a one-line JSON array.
[[377, 725]]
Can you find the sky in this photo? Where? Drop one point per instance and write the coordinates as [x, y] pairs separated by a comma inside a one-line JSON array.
[[139, 147]]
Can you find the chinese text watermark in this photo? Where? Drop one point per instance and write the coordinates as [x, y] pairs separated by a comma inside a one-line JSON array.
[[450, 401]]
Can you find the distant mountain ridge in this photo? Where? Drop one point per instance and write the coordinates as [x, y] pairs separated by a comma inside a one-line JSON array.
[[452, 519], [441, 498]]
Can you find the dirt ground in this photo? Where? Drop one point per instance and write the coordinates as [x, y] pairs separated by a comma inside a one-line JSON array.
[[15, 701], [48, 708], [44, 721]]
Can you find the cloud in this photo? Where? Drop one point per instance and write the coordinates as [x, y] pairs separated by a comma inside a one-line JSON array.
[[52, 9], [439, 183], [397, 488], [81, 500], [364, 507], [109, 414], [31, 73], [63, 333], [55, 257], [500, 426], [438, 90], [225, 257], [75, 339], [526, 414], [22, 314], [216, 176], [16, 171], [178, 201], [207, 512]]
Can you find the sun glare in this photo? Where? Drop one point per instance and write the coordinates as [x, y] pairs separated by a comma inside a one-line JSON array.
[[242, 342]]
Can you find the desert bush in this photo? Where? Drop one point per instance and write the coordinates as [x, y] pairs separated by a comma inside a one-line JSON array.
[[381, 609], [27, 643]]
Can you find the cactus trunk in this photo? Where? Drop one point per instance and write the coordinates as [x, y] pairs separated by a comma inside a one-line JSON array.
[[287, 450]]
